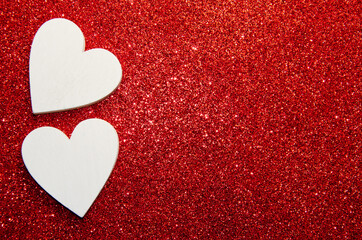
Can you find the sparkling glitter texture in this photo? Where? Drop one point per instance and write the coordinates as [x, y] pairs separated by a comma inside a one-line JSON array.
[[236, 119]]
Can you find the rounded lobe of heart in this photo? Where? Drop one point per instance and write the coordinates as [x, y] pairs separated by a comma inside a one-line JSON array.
[[74, 170], [62, 75]]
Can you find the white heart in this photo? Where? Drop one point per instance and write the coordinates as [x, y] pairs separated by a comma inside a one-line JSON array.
[[62, 75], [73, 170]]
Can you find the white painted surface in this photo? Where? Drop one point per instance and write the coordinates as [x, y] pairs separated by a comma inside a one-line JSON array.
[[62, 75], [73, 170]]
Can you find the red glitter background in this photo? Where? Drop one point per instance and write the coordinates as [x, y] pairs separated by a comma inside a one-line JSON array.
[[236, 119]]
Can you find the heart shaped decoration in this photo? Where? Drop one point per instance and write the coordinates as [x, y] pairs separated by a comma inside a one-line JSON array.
[[73, 170], [62, 75]]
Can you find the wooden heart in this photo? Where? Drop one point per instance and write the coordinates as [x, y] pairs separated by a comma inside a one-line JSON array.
[[73, 170], [62, 75]]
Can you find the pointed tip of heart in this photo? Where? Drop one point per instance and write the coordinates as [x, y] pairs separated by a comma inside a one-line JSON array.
[[80, 214]]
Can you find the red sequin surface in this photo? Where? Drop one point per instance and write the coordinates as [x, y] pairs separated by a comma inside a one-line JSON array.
[[236, 119]]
